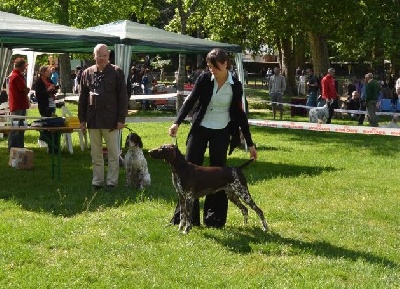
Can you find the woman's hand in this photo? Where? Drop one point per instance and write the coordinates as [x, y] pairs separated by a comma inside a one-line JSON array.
[[173, 130], [253, 152]]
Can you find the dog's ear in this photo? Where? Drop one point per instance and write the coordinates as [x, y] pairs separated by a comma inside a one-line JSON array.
[[140, 143], [127, 142]]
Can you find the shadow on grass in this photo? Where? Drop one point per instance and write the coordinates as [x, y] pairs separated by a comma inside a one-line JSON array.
[[241, 240], [73, 194]]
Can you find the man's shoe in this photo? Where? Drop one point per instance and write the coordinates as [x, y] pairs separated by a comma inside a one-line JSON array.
[[96, 187], [110, 187]]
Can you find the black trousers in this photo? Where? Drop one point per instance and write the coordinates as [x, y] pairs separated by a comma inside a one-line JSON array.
[[17, 138], [215, 205], [332, 105]]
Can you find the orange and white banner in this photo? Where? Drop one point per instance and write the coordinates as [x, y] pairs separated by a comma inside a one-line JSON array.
[[326, 127]]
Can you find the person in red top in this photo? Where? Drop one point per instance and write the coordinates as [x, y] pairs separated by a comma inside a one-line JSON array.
[[18, 100], [329, 93]]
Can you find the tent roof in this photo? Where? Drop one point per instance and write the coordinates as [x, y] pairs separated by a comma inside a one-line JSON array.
[[31, 34], [148, 39]]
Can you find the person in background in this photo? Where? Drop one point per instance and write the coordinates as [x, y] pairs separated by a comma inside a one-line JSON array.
[[301, 87], [45, 91], [372, 91], [361, 91], [55, 78], [329, 93], [354, 103], [313, 86], [147, 85], [77, 80], [397, 91], [18, 100], [102, 108], [277, 87], [246, 76], [3, 93], [217, 101], [134, 80]]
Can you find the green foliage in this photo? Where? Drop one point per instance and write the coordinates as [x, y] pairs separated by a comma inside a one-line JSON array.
[[355, 30], [158, 62]]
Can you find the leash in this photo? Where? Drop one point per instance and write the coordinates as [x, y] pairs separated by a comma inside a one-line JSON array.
[[174, 141], [128, 128]]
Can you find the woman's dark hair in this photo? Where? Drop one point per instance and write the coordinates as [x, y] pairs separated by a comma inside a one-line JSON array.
[[217, 55]]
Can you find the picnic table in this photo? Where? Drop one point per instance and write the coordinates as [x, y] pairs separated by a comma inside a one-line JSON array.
[[55, 162]]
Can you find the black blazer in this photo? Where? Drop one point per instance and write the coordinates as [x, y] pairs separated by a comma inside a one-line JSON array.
[[42, 96], [200, 98]]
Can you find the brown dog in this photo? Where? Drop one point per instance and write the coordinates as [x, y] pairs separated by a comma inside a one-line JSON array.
[[192, 182]]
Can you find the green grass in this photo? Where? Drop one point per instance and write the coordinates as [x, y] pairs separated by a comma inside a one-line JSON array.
[[332, 202]]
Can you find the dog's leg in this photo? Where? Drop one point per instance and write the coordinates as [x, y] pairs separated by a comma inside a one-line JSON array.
[[246, 197], [183, 216], [243, 193], [235, 199], [189, 209], [128, 170], [259, 212]]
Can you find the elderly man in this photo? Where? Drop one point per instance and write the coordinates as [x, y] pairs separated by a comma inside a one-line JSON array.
[[18, 100], [103, 106], [372, 91]]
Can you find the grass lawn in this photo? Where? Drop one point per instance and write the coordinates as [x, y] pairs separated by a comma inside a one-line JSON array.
[[332, 202]]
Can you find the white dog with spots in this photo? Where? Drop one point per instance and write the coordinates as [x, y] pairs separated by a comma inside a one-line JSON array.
[[319, 114], [137, 174]]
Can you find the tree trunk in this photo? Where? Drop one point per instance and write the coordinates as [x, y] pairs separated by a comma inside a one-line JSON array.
[[181, 81], [288, 68], [299, 51], [319, 53], [65, 73]]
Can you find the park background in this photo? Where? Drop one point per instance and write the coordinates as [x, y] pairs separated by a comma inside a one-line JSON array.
[[332, 200]]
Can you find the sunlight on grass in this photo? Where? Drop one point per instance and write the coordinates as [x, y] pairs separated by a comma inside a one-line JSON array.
[[331, 201]]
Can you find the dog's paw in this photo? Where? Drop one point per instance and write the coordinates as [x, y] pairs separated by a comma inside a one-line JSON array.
[[264, 226]]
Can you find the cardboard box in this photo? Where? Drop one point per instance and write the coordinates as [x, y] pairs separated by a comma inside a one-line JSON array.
[[21, 158]]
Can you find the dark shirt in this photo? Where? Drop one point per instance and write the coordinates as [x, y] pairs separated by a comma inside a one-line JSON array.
[[3, 96], [42, 96], [372, 90], [350, 88], [353, 104], [313, 80], [110, 103]]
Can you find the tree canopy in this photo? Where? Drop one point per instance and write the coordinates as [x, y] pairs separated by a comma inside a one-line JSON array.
[[313, 31]]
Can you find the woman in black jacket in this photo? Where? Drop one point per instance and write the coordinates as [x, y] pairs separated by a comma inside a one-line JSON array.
[[45, 91], [218, 118]]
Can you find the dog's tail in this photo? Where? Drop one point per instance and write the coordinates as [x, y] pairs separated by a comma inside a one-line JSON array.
[[242, 166]]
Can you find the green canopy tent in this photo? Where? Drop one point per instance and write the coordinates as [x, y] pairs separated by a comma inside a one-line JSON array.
[[36, 35], [147, 39], [141, 38]]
